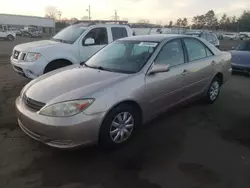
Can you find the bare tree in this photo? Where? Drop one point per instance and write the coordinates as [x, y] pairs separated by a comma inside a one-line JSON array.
[[51, 12], [170, 24], [178, 22], [184, 22]]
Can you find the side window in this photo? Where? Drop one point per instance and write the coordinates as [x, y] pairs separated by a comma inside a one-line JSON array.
[[119, 32], [209, 53], [214, 37], [171, 54], [196, 50], [210, 37], [99, 35]]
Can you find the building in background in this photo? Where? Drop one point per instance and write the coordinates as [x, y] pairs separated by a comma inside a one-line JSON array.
[[46, 25]]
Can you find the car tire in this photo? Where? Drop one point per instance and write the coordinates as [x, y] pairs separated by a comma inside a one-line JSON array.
[[56, 65], [213, 91], [10, 37], [119, 126]]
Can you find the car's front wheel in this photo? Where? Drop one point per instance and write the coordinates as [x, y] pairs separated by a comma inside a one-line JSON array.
[[213, 91], [119, 126]]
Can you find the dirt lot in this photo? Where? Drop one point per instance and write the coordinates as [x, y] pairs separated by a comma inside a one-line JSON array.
[[194, 146]]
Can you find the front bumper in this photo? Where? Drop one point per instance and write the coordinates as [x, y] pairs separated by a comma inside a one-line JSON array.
[[30, 70], [59, 132]]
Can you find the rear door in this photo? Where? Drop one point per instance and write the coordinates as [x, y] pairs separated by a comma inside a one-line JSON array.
[[200, 66], [118, 32]]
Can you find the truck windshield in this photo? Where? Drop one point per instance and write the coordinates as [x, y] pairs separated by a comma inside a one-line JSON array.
[[123, 56], [69, 34]]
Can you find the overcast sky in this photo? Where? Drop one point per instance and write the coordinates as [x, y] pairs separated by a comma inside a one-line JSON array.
[[154, 10]]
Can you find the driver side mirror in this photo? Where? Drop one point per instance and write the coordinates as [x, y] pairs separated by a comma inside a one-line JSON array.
[[233, 48], [89, 41], [157, 68]]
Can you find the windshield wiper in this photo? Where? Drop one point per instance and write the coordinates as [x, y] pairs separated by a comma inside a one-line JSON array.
[[98, 67]]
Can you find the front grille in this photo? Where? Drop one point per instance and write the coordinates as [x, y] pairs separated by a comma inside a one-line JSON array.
[[33, 104], [16, 54]]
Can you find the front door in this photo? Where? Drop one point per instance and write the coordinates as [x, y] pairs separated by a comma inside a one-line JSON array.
[[101, 39], [168, 88]]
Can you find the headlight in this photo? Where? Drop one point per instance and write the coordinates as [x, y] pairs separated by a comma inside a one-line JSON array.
[[32, 57], [66, 109]]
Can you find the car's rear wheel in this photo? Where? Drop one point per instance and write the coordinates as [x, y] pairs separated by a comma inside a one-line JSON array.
[[119, 126], [214, 90], [10, 37]]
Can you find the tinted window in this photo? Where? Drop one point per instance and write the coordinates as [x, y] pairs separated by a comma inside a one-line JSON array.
[[119, 32], [196, 50], [171, 54], [244, 46], [214, 37], [99, 35], [210, 37]]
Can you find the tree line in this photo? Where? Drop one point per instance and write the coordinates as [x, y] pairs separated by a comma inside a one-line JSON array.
[[210, 21]]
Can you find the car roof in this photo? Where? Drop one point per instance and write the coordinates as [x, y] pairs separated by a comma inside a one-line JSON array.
[[152, 38]]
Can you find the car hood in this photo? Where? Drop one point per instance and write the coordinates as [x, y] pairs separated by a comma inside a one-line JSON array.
[[240, 57], [36, 45], [73, 82]]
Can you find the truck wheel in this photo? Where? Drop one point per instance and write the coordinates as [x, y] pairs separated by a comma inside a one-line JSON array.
[[10, 37], [56, 65]]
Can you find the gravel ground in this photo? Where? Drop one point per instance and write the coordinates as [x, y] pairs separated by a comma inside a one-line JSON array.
[[193, 146]]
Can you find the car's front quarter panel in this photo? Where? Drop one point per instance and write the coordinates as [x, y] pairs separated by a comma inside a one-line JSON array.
[[62, 51], [129, 89]]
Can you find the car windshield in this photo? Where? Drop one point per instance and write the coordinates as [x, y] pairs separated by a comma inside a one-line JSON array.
[[245, 46], [123, 56], [69, 34]]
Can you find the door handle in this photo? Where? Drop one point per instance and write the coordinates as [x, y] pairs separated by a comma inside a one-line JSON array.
[[184, 72], [213, 62]]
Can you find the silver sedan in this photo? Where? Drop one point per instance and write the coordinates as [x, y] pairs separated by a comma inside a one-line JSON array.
[[123, 86]]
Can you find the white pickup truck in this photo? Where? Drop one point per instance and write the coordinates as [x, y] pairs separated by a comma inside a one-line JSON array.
[[7, 34], [73, 45]]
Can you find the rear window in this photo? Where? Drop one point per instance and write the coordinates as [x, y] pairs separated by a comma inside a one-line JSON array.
[[119, 32]]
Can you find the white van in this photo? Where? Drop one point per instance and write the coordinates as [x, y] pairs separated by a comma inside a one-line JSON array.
[[73, 45]]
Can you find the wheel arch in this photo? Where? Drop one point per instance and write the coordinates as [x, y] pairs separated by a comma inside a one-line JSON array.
[[220, 76], [126, 102], [56, 60]]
